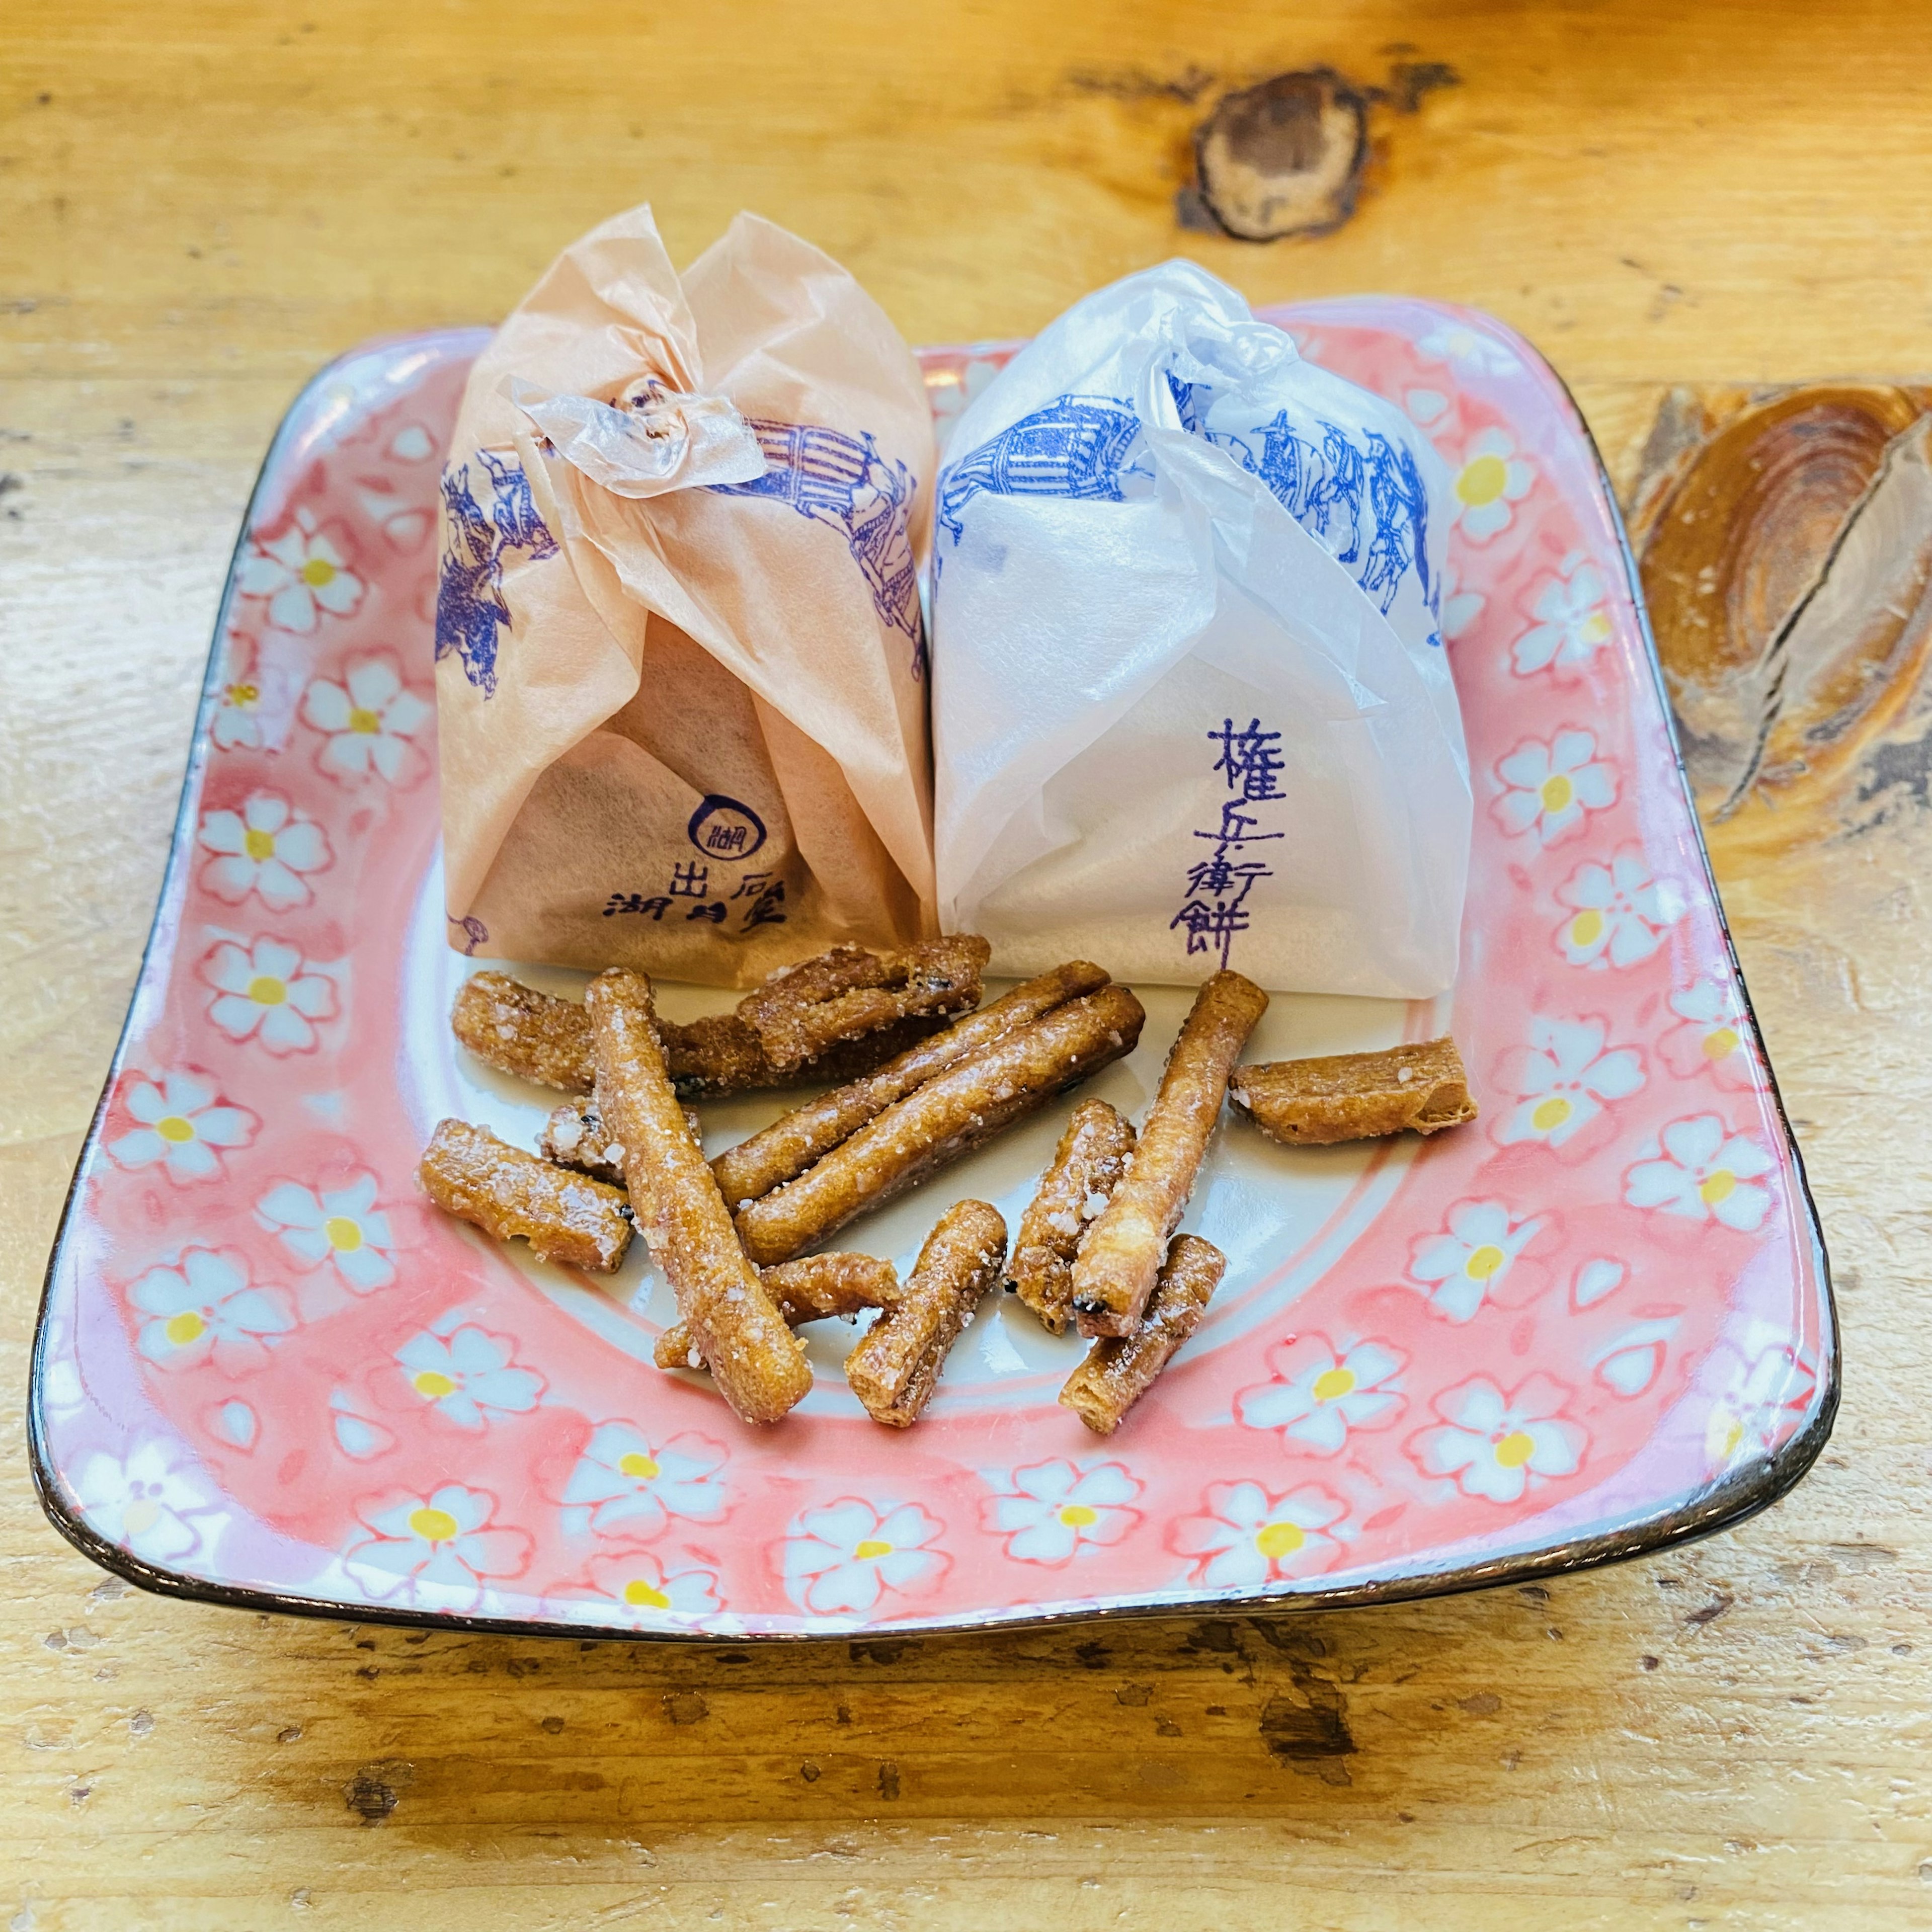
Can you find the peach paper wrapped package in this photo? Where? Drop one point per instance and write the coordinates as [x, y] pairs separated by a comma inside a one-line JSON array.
[[681, 675], [1191, 706]]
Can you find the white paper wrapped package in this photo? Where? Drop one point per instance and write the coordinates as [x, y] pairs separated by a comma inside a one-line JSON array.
[[1191, 707]]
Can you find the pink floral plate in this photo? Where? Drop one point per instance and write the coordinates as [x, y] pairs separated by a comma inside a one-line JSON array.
[[268, 1372]]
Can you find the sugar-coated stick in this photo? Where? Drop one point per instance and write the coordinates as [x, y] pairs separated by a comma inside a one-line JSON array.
[[753, 1356], [812, 1289], [896, 1363], [957, 1110], [1419, 1088], [517, 1030], [1122, 1251], [802, 1011], [1086, 1167], [1118, 1369], [575, 1136], [793, 1142], [467, 1171]]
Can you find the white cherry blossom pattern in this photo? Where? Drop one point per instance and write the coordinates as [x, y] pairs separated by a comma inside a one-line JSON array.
[[342, 1226], [1320, 1392], [237, 723], [470, 1376], [1051, 1512], [1248, 1540], [1618, 913], [1491, 479], [1564, 1080], [182, 1122], [631, 1587], [267, 848], [266, 992], [1426, 406], [1572, 620], [301, 573], [154, 1504], [369, 721], [1763, 1401], [205, 1307], [1461, 1268], [1497, 1445], [1456, 342], [1714, 1037], [1460, 607], [1700, 1170], [1548, 788], [444, 1548], [845, 1557], [629, 1484]]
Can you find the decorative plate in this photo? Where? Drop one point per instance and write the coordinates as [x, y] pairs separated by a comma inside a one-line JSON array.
[[268, 1372]]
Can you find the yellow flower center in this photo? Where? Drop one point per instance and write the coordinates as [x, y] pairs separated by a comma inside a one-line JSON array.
[[1077, 1516], [1587, 927], [317, 572], [266, 990], [1558, 791], [1332, 1384], [1515, 1449], [1484, 1262], [1718, 1187], [1550, 1113], [241, 695], [870, 1548], [258, 845], [640, 1595], [175, 1129], [1277, 1539], [184, 1327], [143, 1513], [1483, 480], [342, 1233], [1595, 629], [638, 1464], [1733, 1436], [432, 1525], [368, 722], [433, 1384], [1720, 1043]]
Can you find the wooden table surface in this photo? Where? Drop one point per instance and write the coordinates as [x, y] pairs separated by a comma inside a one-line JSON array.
[[200, 203]]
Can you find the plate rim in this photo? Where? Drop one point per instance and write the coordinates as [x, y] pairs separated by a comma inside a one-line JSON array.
[[1738, 1497]]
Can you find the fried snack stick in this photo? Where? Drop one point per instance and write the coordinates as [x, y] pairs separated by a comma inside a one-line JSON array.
[[1354, 1097], [1121, 1255], [1118, 1370], [815, 1288], [575, 1136], [538, 1036], [792, 1143], [753, 1357], [507, 1193], [969, 1102], [897, 1362], [800, 1012], [1086, 1167]]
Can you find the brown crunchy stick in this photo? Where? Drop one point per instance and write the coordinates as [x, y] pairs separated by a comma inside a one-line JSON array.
[[1086, 1166], [897, 1362], [955, 1110], [1353, 1096], [755, 1359], [721, 1054], [792, 1143], [813, 1289], [1121, 1254], [802, 1010], [1118, 1370], [575, 1136], [517, 1030], [469, 1172]]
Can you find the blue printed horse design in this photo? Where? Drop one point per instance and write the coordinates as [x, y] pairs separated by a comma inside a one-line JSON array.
[[469, 606], [1077, 447], [837, 478]]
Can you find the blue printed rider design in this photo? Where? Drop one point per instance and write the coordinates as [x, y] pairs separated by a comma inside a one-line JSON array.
[[1077, 447], [469, 606]]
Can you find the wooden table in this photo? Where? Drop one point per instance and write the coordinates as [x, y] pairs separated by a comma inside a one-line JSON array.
[[200, 203]]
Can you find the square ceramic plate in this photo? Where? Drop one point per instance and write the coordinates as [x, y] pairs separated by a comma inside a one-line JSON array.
[[268, 1373]]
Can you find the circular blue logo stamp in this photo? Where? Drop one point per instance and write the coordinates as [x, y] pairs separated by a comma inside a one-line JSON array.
[[722, 828]]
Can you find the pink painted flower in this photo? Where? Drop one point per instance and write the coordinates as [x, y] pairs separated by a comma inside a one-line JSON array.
[[1249, 1540], [1051, 1512], [1496, 1446], [1714, 1035], [267, 992], [369, 722], [205, 1307], [267, 848], [181, 1122], [848, 1555], [302, 573], [443, 1549], [1548, 788], [1320, 1392]]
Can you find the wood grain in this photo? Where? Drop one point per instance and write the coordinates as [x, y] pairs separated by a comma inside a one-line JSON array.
[[1688, 208]]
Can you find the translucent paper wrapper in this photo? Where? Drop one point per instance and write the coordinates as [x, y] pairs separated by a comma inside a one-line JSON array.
[[1191, 707], [681, 676]]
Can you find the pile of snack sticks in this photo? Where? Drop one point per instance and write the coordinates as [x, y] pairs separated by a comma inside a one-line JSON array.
[[915, 1072]]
